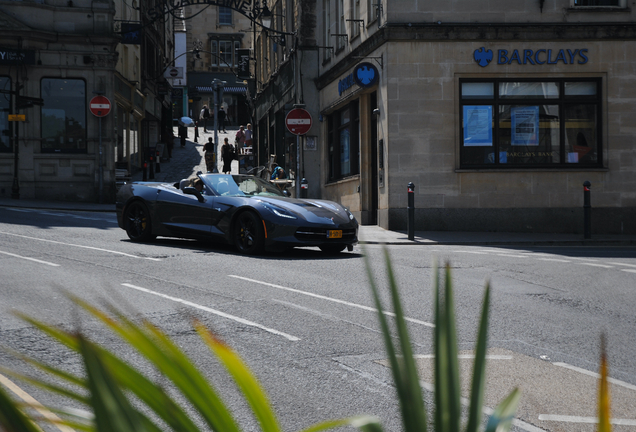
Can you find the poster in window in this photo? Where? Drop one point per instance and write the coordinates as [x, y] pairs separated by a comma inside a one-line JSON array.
[[525, 126], [345, 153], [477, 125]]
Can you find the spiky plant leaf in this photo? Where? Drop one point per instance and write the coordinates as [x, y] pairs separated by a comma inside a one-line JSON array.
[[364, 423], [479, 369], [604, 424], [501, 419], [13, 419]]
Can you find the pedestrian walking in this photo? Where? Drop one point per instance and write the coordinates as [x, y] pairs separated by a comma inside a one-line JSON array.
[[227, 155], [222, 115], [208, 149], [240, 137], [205, 115], [248, 135]]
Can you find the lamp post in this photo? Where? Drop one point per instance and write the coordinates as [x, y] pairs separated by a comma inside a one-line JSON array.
[[217, 86]]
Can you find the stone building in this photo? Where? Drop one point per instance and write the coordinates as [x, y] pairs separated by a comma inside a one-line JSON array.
[[498, 112], [55, 57]]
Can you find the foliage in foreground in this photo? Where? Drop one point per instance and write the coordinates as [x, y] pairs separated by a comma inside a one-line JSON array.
[[447, 410], [109, 381]]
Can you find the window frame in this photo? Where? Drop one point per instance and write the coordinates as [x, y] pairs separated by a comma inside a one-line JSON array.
[[334, 129], [620, 4], [83, 110], [562, 101], [225, 12], [7, 145]]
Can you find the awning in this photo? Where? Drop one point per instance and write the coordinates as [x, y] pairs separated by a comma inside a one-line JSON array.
[[226, 89]]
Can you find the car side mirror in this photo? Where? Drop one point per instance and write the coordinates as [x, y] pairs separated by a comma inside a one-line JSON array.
[[286, 193], [193, 191]]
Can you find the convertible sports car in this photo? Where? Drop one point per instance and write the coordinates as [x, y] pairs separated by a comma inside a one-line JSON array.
[[242, 210]]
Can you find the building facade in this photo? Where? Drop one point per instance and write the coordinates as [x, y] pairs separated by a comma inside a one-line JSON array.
[[497, 115], [55, 57]]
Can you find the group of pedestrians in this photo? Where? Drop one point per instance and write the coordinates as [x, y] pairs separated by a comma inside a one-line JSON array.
[[204, 115]]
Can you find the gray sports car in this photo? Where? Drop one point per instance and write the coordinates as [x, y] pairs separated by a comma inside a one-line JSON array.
[[242, 210]]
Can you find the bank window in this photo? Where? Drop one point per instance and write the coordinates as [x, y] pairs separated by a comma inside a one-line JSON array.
[[530, 123], [63, 115], [601, 3], [5, 106], [343, 142]]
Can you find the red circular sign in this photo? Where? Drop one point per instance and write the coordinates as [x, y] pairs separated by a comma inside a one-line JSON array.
[[298, 121], [100, 106]]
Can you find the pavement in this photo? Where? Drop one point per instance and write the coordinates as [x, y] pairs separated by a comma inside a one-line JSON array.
[[187, 161]]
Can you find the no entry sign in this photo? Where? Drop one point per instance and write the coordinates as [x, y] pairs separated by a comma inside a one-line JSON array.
[[100, 106], [298, 121]]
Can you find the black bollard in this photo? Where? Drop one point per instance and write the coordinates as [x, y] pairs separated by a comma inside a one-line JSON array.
[[411, 211], [587, 211], [144, 175], [151, 173], [158, 168], [303, 188]]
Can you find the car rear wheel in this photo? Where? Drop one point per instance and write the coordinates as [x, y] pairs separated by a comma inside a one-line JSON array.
[[248, 233], [332, 249], [138, 225]]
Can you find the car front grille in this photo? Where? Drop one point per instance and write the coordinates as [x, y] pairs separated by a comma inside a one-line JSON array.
[[320, 234]]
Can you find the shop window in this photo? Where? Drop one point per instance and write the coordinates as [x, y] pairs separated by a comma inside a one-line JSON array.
[[225, 53], [343, 142], [530, 123], [5, 106], [63, 115]]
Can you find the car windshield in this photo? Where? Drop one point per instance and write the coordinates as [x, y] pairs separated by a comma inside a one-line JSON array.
[[240, 185]]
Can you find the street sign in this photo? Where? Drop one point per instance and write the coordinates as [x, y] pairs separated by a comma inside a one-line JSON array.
[[174, 73], [100, 106], [298, 121]]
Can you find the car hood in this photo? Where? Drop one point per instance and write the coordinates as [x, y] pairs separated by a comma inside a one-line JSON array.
[[312, 210]]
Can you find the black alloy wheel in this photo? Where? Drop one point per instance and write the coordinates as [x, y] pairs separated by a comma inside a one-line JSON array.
[[332, 249], [248, 233], [138, 225]]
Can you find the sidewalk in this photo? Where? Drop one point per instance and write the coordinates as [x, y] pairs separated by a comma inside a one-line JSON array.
[[187, 161]]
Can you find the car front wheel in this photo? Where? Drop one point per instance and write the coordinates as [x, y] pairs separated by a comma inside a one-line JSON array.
[[248, 233], [138, 225]]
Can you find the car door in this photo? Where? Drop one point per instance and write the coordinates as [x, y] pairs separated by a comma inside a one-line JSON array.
[[183, 214]]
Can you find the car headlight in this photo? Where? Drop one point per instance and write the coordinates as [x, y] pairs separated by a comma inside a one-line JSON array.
[[279, 211], [351, 217]]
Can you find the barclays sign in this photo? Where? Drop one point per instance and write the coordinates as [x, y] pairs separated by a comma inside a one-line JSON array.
[[484, 57]]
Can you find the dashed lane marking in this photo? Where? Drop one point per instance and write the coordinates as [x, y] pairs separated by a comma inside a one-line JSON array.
[[80, 246], [578, 419], [214, 311], [331, 299], [30, 259], [596, 265]]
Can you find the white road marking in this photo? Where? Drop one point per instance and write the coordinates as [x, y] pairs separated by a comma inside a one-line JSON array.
[[623, 264], [553, 259], [596, 265], [595, 375], [214, 311], [488, 411], [628, 270], [31, 259], [34, 403], [466, 356], [58, 214], [80, 246], [577, 419], [473, 252], [512, 256], [367, 308]]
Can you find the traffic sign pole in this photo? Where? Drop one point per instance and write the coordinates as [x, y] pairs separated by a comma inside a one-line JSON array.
[[100, 107], [298, 122]]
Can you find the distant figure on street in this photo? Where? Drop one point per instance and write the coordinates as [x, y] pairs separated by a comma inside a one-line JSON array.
[[227, 155], [248, 135], [205, 115], [222, 119], [208, 148], [240, 137]]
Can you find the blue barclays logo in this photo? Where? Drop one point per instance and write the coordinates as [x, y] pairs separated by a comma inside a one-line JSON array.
[[366, 75], [483, 57]]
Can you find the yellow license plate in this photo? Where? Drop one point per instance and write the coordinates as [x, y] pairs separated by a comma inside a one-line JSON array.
[[334, 234]]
